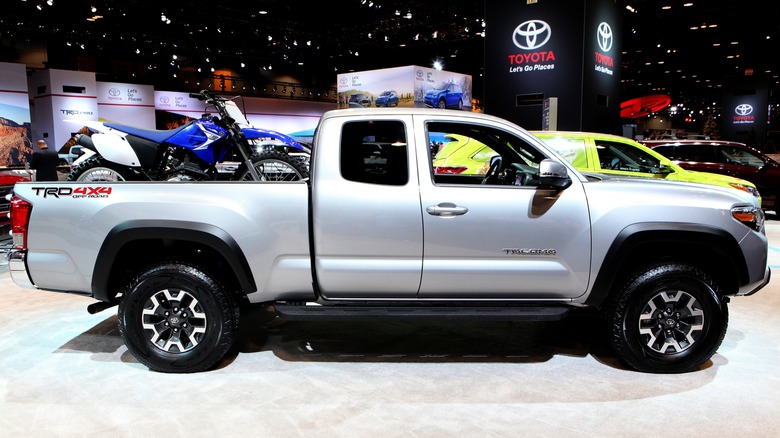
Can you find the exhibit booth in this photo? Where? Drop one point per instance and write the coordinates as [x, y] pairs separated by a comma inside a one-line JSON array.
[[55, 104]]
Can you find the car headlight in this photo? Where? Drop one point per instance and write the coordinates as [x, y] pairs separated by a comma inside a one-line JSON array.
[[752, 190], [752, 217]]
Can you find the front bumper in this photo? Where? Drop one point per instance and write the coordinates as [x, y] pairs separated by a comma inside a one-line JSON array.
[[750, 289]]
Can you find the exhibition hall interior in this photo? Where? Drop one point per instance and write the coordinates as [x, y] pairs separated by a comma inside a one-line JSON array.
[[226, 94]]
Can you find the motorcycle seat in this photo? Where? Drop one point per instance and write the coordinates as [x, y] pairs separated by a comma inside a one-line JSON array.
[[155, 135]]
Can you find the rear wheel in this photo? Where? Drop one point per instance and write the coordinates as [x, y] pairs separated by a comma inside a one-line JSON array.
[[97, 168], [176, 318], [668, 319], [273, 166]]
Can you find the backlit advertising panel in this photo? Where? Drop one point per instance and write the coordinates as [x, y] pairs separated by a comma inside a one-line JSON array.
[[601, 67], [535, 51], [408, 86], [745, 110], [15, 141]]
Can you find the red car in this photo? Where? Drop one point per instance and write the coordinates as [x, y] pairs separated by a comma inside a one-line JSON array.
[[728, 158], [6, 186]]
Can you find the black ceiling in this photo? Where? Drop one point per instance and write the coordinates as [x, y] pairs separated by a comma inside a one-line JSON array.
[[686, 51]]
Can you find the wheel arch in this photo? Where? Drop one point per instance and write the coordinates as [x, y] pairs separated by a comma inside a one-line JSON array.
[[134, 245], [712, 249]]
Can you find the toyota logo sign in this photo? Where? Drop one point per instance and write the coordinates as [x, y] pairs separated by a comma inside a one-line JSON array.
[[743, 109], [604, 37], [532, 34]]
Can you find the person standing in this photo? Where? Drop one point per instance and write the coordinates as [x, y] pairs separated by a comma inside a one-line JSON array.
[[44, 161]]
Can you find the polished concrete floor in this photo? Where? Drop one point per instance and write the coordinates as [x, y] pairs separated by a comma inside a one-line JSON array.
[[66, 373]]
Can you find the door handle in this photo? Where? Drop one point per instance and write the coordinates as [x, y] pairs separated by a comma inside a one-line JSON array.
[[446, 209]]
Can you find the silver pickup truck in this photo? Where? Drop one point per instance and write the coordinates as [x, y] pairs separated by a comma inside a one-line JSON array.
[[516, 234]]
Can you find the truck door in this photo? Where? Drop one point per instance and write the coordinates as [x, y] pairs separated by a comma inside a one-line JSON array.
[[366, 218], [491, 233]]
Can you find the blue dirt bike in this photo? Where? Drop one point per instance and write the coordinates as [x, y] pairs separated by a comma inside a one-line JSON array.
[[222, 146]]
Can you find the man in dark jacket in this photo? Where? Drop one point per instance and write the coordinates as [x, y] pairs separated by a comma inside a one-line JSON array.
[[44, 161]]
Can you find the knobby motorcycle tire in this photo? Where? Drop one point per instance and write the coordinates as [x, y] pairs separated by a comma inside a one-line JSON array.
[[273, 165], [97, 168]]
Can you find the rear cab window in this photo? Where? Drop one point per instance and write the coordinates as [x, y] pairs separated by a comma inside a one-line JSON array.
[[375, 152]]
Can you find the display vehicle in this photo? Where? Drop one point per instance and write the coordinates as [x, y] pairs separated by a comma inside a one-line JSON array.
[[387, 98], [445, 95], [616, 155], [728, 158], [376, 233]]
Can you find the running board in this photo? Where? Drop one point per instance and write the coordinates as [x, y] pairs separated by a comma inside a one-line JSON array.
[[297, 312]]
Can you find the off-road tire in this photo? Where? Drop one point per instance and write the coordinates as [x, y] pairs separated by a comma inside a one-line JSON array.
[[668, 318], [176, 318]]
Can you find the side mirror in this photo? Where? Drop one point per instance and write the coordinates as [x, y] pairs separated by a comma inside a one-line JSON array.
[[553, 175]]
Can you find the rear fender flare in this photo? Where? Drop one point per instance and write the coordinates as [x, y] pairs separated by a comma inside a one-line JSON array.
[[205, 234]]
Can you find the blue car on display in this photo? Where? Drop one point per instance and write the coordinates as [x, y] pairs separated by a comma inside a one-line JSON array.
[[387, 98], [445, 95]]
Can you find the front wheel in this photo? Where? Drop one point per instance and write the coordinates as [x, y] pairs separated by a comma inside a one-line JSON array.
[[176, 318], [273, 166], [667, 319], [97, 168]]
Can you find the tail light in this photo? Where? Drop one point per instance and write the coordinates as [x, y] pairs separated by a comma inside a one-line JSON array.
[[20, 219], [448, 170]]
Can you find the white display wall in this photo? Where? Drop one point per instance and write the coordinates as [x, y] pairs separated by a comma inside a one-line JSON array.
[[285, 116], [61, 99], [128, 104]]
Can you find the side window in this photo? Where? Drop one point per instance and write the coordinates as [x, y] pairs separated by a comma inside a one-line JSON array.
[[739, 156], [670, 152], [700, 153], [374, 152], [621, 156], [475, 154]]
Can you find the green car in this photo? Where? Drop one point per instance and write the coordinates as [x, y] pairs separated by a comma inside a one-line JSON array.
[[587, 151], [458, 154], [616, 155]]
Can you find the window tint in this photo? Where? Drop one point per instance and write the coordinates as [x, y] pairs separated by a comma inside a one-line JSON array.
[[690, 152], [467, 150], [375, 152]]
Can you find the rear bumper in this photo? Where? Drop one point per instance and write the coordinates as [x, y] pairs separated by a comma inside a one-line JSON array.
[[17, 268]]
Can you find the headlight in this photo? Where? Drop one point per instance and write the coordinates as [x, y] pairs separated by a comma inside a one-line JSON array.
[[752, 190], [750, 216]]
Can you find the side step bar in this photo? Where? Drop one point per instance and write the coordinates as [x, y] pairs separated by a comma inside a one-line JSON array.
[[297, 312]]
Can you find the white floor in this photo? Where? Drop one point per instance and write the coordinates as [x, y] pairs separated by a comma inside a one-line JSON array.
[[66, 373]]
